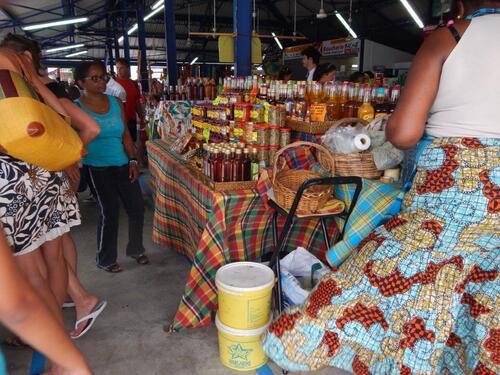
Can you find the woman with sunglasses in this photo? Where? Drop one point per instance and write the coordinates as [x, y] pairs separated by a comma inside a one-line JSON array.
[[112, 168]]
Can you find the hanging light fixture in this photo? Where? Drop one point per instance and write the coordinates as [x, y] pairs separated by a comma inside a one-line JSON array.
[[189, 42], [215, 20], [321, 14], [295, 18]]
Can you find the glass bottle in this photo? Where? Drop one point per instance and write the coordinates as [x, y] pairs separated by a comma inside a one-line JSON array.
[[301, 105], [381, 108], [254, 166], [332, 105], [227, 167], [238, 165], [366, 111], [246, 165], [289, 102], [216, 166], [396, 91], [344, 98]]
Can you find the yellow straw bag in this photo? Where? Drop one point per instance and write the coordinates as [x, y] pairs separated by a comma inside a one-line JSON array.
[[33, 132], [29, 129]]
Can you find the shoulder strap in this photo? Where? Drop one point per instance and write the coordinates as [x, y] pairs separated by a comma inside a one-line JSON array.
[[455, 33]]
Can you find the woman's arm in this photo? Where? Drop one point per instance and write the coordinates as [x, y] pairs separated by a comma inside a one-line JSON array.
[[406, 125], [23, 312], [85, 124], [128, 144]]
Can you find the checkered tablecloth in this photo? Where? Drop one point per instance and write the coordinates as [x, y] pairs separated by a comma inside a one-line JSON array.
[[213, 229]]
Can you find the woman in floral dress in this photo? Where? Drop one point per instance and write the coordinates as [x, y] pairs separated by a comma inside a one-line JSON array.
[[421, 293]]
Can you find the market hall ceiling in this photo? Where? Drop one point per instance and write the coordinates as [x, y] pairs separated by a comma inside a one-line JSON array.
[[384, 21]]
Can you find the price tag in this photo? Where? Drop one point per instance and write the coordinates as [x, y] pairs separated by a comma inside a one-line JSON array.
[[206, 134], [318, 112]]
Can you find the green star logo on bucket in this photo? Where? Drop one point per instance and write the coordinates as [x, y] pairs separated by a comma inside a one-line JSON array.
[[237, 351]]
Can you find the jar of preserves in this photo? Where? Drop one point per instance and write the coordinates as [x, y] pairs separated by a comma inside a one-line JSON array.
[[274, 135], [273, 115], [262, 134], [285, 136]]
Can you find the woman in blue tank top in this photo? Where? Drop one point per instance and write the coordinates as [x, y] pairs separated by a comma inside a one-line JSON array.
[[112, 168]]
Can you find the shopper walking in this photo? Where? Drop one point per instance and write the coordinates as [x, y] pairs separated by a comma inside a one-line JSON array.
[[421, 293], [112, 168], [25, 314], [88, 307]]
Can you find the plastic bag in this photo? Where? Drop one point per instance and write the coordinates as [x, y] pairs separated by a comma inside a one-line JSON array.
[[346, 139], [300, 272]]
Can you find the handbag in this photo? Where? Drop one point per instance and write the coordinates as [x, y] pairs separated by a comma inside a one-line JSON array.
[[30, 130]]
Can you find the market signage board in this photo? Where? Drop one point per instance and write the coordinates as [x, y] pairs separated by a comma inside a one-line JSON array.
[[335, 47]]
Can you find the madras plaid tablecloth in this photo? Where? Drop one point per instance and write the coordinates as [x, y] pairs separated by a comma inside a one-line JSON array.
[[213, 229]]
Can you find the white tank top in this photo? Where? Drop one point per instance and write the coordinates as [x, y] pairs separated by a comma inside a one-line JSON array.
[[468, 100]]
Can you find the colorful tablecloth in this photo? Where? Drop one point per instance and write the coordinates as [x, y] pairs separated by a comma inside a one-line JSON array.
[[213, 229]]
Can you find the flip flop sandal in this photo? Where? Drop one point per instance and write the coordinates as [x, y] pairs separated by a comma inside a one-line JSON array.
[[113, 268], [141, 259], [90, 319]]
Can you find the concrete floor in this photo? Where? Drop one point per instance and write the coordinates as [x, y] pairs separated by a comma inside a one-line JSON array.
[[128, 337]]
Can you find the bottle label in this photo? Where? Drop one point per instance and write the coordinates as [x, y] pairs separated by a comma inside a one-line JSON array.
[[254, 171]]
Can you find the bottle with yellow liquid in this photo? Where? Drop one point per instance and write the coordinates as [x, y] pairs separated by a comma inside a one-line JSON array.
[[366, 111]]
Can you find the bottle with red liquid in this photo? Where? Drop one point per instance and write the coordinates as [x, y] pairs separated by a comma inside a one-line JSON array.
[[216, 166], [238, 165], [247, 165], [227, 167]]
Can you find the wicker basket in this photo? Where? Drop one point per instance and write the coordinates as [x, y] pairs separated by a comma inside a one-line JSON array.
[[287, 182], [358, 163], [310, 127]]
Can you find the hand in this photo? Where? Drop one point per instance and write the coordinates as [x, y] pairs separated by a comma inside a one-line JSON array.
[[73, 174], [2, 150], [133, 171]]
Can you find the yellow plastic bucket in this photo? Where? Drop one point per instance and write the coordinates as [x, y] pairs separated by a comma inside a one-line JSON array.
[[244, 294], [241, 350]]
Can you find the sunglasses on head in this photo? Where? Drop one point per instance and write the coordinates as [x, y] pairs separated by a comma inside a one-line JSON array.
[[104, 78]]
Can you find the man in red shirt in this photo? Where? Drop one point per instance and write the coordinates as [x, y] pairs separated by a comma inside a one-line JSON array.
[[133, 107]]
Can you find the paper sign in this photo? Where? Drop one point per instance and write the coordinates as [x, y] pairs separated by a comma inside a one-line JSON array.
[[206, 134], [318, 112]]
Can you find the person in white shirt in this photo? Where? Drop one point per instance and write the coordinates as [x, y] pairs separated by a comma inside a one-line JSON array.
[[113, 88], [310, 60]]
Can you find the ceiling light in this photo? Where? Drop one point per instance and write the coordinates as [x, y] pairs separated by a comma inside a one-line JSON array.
[[321, 14], [77, 53], [194, 60], [158, 8], [44, 25], [355, 66], [157, 4], [413, 14], [154, 12], [64, 48], [277, 40], [346, 25]]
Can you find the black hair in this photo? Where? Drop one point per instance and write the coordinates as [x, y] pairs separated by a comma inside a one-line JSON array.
[[81, 70], [21, 44], [284, 71], [313, 53], [323, 69], [123, 61], [354, 77]]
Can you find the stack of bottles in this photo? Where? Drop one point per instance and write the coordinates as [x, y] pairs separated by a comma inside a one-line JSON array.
[[230, 162], [192, 89], [342, 100]]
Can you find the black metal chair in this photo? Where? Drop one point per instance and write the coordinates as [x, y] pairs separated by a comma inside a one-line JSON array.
[[292, 218]]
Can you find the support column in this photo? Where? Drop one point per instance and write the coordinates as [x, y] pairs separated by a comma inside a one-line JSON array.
[[115, 37], [126, 44], [242, 21], [171, 47], [109, 48], [141, 35]]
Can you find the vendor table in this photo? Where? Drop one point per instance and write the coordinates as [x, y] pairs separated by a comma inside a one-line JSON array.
[[213, 229]]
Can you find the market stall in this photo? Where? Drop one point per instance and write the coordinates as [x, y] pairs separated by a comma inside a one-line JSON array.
[[212, 229]]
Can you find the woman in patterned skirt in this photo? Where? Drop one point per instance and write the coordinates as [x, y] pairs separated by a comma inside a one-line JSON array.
[[420, 295]]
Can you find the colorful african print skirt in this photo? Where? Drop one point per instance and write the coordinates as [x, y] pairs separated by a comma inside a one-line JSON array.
[[421, 295]]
